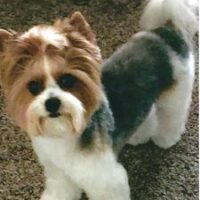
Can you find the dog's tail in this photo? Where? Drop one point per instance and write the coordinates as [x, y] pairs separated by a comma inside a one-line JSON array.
[[183, 14]]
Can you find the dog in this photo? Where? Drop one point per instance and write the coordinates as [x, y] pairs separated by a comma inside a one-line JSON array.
[[79, 112]]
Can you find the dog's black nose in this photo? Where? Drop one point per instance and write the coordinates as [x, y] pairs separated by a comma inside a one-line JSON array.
[[52, 105]]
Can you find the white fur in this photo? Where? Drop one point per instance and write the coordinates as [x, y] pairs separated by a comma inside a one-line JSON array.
[[96, 172], [49, 35], [181, 13], [173, 107], [58, 185], [144, 34]]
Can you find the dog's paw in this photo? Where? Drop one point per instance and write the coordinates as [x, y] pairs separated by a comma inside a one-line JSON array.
[[47, 196], [164, 142]]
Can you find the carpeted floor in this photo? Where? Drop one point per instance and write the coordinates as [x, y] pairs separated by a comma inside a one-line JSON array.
[[154, 174]]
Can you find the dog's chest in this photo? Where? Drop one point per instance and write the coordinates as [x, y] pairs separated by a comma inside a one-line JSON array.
[[64, 154], [81, 166], [59, 151]]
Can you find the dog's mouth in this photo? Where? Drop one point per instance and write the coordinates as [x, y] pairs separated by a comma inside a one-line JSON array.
[[54, 115]]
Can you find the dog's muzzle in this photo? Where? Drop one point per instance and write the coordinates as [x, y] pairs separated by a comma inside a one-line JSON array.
[[52, 105]]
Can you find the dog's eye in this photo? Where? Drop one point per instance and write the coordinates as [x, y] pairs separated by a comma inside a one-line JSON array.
[[67, 81], [35, 87]]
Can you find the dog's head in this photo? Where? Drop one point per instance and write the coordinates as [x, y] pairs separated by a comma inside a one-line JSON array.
[[51, 75]]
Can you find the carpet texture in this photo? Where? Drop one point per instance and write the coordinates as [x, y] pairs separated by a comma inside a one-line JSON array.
[[154, 174]]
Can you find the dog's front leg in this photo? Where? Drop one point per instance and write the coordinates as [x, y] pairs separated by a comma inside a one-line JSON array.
[[109, 184], [58, 186], [105, 179]]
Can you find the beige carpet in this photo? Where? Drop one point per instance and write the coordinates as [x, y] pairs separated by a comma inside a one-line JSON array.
[[154, 174]]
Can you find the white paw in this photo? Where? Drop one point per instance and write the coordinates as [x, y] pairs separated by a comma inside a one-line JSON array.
[[164, 142], [52, 197], [47, 197]]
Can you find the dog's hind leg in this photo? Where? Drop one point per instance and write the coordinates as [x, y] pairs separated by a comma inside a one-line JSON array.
[[172, 107], [146, 130]]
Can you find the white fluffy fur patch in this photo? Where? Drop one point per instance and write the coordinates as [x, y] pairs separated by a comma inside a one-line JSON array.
[[49, 35]]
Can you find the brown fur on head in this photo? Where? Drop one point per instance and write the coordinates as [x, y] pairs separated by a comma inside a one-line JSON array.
[[45, 54]]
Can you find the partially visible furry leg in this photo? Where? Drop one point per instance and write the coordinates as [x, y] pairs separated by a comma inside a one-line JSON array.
[[146, 130], [58, 186], [103, 178], [173, 105]]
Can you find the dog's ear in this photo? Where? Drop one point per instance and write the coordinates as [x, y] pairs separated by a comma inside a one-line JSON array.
[[76, 23], [80, 25], [4, 37]]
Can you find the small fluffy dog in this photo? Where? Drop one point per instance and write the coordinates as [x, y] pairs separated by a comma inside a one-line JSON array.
[[79, 115]]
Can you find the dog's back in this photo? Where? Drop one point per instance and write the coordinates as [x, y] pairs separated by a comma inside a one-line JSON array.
[[149, 80]]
